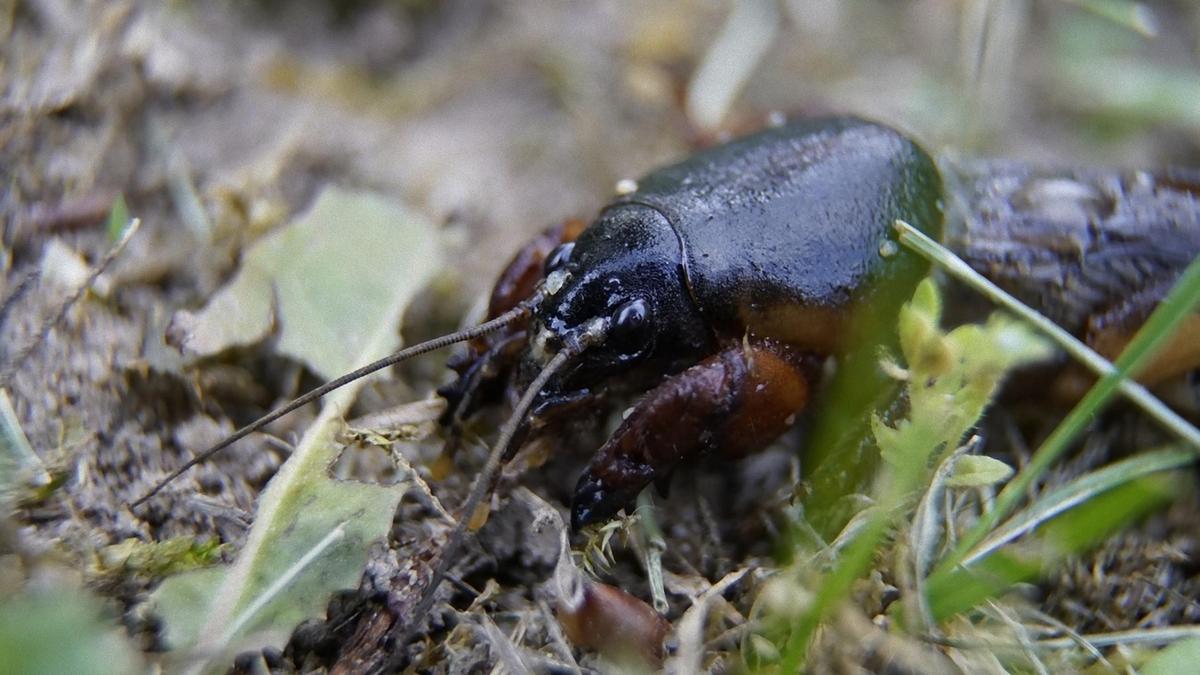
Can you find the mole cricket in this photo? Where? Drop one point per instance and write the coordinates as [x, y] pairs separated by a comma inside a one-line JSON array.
[[715, 289]]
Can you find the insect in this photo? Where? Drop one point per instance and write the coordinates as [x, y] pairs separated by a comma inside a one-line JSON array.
[[716, 286], [1094, 250]]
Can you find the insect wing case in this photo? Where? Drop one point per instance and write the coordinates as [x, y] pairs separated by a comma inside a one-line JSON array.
[[785, 229]]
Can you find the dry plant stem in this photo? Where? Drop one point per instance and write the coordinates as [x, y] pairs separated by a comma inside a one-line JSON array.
[[481, 486], [733, 636], [423, 488], [1138, 636], [689, 629], [923, 536], [654, 543], [1024, 642], [508, 653], [402, 355], [27, 282], [745, 37], [63, 216], [57, 318], [922, 244], [410, 413], [1079, 640]]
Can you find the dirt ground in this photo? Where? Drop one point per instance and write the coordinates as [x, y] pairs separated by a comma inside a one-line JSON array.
[[220, 121]]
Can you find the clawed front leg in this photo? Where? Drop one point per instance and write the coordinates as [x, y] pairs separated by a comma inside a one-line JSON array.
[[735, 402], [484, 368]]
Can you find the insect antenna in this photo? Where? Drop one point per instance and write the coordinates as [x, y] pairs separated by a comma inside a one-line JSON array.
[[403, 355], [484, 481]]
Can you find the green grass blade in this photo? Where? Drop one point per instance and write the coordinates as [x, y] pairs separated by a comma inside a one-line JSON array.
[[1132, 15], [118, 219], [1078, 491], [956, 267], [1178, 658], [962, 588], [1177, 307], [855, 561]]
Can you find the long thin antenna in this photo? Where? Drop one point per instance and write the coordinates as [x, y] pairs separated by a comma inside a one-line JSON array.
[[485, 478], [402, 355]]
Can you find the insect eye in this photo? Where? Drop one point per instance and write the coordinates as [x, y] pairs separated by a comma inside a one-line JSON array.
[[629, 322], [559, 256]]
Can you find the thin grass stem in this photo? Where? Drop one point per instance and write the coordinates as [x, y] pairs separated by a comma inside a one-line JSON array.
[[1178, 306]]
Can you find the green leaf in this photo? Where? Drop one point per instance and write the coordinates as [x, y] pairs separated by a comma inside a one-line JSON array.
[[1172, 310], [890, 440], [927, 300], [1180, 657], [61, 631], [157, 558], [1081, 528], [344, 274], [118, 220], [951, 378], [1053, 503], [964, 588], [1135, 16], [978, 471], [184, 601], [1178, 306], [324, 278], [1069, 533], [20, 466]]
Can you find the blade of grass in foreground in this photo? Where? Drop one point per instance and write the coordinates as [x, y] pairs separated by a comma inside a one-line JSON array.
[[1061, 499], [1178, 305], [950, 378], [1132, 15], [935, 252], [1070, 519]]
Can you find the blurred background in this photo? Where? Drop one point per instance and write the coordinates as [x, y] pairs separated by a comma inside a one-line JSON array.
[[503, 117]]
